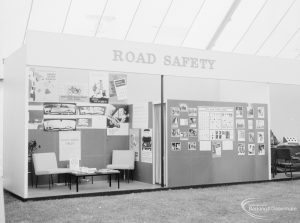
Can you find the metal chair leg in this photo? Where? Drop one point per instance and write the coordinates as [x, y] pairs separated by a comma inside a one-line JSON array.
[[36, 181], [49, 179]]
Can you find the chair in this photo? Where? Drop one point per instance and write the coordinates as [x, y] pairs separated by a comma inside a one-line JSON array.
[[46, 164], [286, 160], [122, 160]]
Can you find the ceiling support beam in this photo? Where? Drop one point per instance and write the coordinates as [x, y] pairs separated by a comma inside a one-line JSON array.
[[273, 30], [27, 22], [249, 27], [162, 22], [132, 20], [192, 24], [223, 24], [100, 19], [287, 43], [67, 15]]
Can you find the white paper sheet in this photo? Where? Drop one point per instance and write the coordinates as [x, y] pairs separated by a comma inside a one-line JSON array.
[[205, 145], [69, 145]]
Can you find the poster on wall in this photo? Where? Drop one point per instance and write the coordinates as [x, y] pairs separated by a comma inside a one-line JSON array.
[[42, 85], [74, 92], [59, 109], [69, 145], [59, 124], [146, 142], [119, 80], [121, 88], [91, 110], [134, 142], [117, 119], [98, 88], [250, 111], [84, 123], [260, 112]]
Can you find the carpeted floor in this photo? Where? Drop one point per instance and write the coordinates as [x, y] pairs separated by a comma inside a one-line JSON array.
[[216, 204]]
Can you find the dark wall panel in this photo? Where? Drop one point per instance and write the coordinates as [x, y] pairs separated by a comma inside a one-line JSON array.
[[199, 167]]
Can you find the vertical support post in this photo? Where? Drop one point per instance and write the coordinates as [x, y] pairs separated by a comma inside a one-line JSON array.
[[162, 131]]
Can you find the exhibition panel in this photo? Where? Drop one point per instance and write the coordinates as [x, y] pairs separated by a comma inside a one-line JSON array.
[[191, 117], [84, 115]]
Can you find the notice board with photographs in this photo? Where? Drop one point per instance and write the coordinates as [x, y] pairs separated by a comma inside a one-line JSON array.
[[216, 142]]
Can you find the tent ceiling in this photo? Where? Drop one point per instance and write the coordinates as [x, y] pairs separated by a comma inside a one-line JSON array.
[[256, 27]]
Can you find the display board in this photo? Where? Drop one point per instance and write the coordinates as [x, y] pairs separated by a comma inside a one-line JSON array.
[[216, 142]]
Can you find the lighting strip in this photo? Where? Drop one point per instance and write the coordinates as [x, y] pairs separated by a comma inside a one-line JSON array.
[[289, 40], [167, 12], [223, 24], [28, 19], [273, 30], [133, 18], [100, 19], [251, 24], [192, 24], [67, 15]]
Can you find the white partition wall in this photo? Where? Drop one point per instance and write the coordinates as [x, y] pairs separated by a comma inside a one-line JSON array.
[[15, 119], [1, 128]]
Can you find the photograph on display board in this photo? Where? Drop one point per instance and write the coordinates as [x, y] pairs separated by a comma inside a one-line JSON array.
[[260, 124], [251, 149], [250, 112], [60, 124], [84, 123], [193, 132], [91, 110], [193, 122], [176, 146], [183, 122], [250, 124], [221, 134], [261, 149], [99, 89], [239, 112], [260, 137], [241, 135], [241, 149], [192, 145], [216, 148], [74, 93], [240, 123], [192, 111], [175, 132], [183, 107], [174, 122], [175, 111], [184, 136], [59, 109], [251, 138], [260, 112]]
